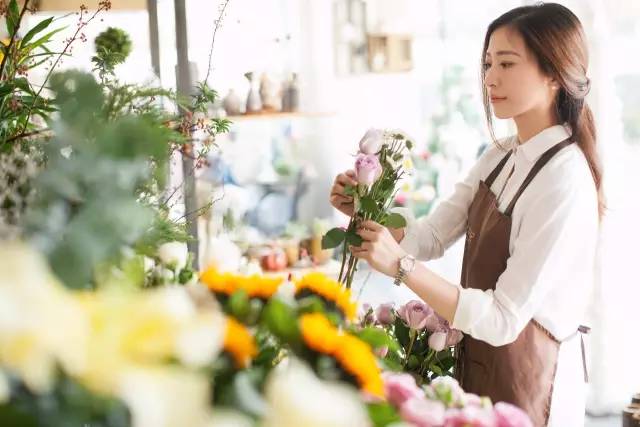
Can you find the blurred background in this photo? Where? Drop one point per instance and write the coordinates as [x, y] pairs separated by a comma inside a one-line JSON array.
[[302, 80]]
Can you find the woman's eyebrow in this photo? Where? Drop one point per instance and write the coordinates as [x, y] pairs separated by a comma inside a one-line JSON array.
[[504, 52]]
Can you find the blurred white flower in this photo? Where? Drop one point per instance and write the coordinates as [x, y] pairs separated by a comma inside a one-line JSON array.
[[223, 255], [148, 264], [174, 254], [372, 141], [165, 397], [297, 397]]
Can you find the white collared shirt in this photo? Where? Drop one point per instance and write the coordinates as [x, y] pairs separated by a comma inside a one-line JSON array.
[[552, 246]]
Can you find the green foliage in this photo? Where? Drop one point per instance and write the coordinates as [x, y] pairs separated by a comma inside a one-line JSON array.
[[68, 404], [86, 207], [113, 46]]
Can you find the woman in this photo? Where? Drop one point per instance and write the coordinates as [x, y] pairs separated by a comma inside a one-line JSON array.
[[530, 209]]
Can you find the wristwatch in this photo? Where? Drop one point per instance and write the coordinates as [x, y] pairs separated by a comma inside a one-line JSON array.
[[405, 266]]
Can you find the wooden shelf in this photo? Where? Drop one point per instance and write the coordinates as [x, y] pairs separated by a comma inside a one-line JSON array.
[[277, 116]]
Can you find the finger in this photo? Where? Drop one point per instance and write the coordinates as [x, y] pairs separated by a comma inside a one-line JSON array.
[[367, 235], [371, 225], [351, 174], [345, 179], [358, 252], [343, 197]]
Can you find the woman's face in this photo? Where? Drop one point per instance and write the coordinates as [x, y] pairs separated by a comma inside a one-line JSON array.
[[513, 78]]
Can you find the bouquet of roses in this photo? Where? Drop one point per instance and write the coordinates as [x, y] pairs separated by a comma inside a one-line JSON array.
[[380, 164]]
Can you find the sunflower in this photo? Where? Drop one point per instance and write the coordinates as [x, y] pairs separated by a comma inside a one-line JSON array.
[[354, 355], [329, 290], [227, 283], [239, 342]]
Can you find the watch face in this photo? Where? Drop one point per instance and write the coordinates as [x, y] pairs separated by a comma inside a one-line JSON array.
[[407, 263]]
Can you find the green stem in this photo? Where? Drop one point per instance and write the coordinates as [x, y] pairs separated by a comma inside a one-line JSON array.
[[412, 339]]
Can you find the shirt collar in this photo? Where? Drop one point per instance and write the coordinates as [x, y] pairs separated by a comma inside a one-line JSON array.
[[535, 146]]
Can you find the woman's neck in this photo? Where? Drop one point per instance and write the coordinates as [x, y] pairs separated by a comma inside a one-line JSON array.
[[533, 122]]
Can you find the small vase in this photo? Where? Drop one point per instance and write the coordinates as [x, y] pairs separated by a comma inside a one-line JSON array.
[[291, 96], [232, 103], [254, 103]]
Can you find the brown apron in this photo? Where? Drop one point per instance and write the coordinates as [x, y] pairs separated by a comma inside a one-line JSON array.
[[523, 372]]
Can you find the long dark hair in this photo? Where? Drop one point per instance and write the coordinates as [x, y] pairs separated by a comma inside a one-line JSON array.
[[555, 37]]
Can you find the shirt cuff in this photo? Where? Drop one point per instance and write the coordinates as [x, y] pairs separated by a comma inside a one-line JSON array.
[[409, 242], [472, 305]]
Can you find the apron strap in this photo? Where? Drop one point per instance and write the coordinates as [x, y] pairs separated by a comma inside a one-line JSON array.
[[496, 171], [534, 171], [583, 330]]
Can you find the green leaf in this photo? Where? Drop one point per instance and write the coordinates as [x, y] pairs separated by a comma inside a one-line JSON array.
[[409, 144], [368, 205], [383, 414], [333, 238], [13, 16], [377, 337], [401, 332], [353, 238], [397, 157], [36, 29], [350, 190], [395, 220], [238, 305], [42, 40], [281, 320]]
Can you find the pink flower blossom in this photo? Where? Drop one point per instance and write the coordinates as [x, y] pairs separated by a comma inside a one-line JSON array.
[[508, 415], [438, 341], [385, 314], [400, 387], [415, 314], [471, 416], [368, 169], [423, 412], [454, 336], [372, 141]]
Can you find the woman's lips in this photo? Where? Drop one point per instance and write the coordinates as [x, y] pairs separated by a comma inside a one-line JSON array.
[[497, 99]]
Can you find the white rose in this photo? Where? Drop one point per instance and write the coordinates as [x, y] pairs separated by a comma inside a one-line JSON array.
[[372, 141], [148, 263], [174, 254]]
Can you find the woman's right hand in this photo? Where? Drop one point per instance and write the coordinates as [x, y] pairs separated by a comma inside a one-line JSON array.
[[338, 199]]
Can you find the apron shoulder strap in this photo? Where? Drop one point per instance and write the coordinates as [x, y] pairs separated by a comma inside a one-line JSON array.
[[548, 155], [496, 171]]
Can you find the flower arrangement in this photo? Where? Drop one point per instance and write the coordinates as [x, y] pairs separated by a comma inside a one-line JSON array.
[[381, 163], [443, 403], [425, 339]]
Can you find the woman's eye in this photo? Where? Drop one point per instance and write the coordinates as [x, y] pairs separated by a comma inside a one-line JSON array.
[[486, 65], [506, 64]]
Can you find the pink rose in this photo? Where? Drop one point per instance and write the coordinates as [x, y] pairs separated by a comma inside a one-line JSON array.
[[423, 412], [508, 415], [471, 416], [436, 323], [415, 314], [471, 399], [454, 336], [385, 314], [368, 169], [447, 390], [399, 388], [372, 141], [438, 341], [366, 314]]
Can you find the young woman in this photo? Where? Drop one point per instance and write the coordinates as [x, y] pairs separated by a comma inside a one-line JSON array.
[[530, 210]]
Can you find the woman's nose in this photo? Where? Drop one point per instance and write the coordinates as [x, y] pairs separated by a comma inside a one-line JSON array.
[[490, 80]]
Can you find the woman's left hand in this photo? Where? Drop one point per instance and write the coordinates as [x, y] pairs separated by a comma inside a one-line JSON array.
[[379, 248]]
